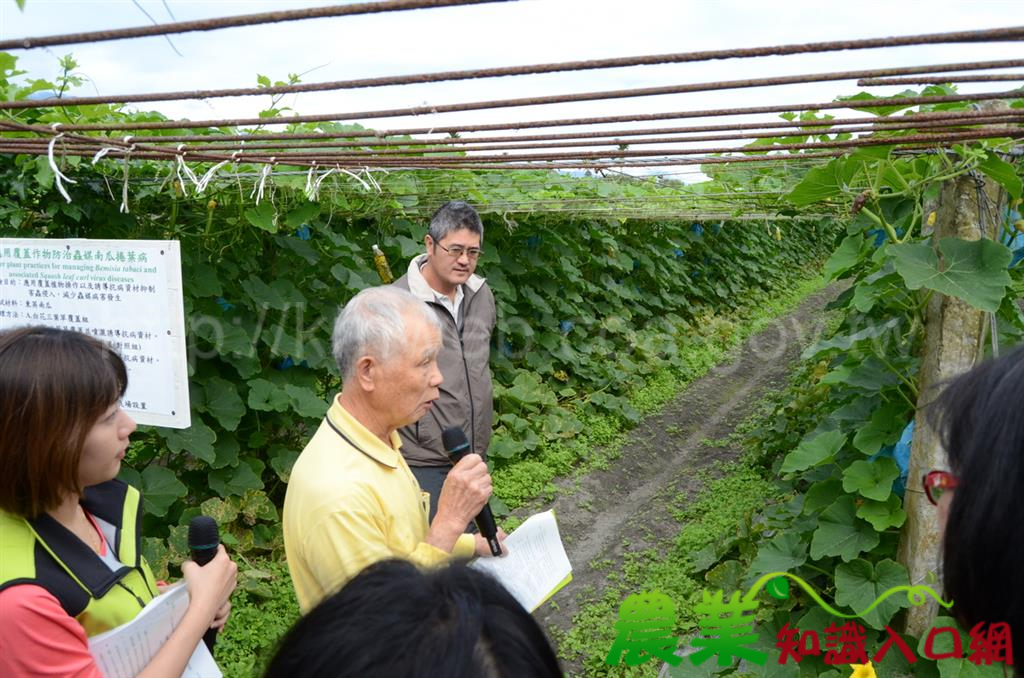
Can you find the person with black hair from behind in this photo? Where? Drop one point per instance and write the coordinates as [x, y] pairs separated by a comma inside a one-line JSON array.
[[980, 499], [397, 621]]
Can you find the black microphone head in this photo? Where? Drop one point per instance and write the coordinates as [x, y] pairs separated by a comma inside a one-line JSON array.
[[203, 533], [454, 440]]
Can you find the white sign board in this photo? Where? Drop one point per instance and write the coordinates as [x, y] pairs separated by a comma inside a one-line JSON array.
[[125, 292]]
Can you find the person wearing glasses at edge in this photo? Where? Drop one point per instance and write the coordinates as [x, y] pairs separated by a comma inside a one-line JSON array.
[[981, 512], [444, 277], [70, 549]]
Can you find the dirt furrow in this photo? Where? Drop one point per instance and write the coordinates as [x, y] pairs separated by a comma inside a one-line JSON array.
[[606, 513]]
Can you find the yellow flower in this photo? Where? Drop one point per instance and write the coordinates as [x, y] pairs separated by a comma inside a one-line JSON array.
[[863, 671]]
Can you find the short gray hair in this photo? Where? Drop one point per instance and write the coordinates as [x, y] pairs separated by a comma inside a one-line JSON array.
[[372, 323], [453, 216]]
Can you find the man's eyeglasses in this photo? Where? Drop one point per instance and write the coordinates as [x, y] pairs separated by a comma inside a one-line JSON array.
[[936, 483], [456, 251]]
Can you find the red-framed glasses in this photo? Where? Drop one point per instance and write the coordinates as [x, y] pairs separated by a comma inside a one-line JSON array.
[[936, 483]]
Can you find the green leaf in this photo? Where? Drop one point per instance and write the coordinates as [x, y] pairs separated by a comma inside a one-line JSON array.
[[262, 217], [841, 533], [224, 512], [813, 451], [196, 440], [263, 295], [846, 256], [231, 481], [972, 271], [203, 281], [301, 215], [878, 110], [267, 397], [872, 479], [884, 427], [1003, 172], [282, 459], [859, 584], [883, 514], [820, 495], [782, 553], [227, 449], [870, 374], [160, 489], [823, 182], [223, 402], [848, 341], [305, 402]]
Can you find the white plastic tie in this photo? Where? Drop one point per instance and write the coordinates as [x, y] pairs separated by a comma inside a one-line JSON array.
[[365, 185], [124, 185], [369, 177], [309, 181], [261, 184], [205, 180], [58, 176], [103, 152], [183, 167]]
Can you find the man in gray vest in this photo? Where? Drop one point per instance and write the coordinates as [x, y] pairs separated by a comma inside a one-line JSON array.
[[444, 278]]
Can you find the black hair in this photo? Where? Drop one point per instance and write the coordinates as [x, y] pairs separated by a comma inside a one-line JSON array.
[[453, 216], [397, 621], [982, 429]]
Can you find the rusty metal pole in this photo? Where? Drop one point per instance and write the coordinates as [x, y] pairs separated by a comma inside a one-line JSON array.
[[954, 338]]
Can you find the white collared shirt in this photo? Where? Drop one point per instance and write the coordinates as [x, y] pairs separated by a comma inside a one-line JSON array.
[[454, 307]]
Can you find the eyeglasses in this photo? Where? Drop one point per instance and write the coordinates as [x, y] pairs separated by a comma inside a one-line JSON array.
[[456, 251], [936, 483]]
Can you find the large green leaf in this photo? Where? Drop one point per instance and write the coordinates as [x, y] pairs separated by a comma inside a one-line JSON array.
[[160, 489], [267, 397], [883, 514], [262, 217], [974, 271], [820, 183], [872, 479], [1003, 172], [230, 481], [841, 533], [845, 257], [223, 402], [196, 440], [848, 341], [884, 428], [301, 214], [781, 553], [859, 584], [821, 495], [305, 402], [813, 451], [870, 374]]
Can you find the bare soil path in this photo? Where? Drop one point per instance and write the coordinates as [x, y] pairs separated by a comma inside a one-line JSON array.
[[626, 504]]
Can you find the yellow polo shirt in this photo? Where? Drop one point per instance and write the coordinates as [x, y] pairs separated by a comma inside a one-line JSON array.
[[350, 505]]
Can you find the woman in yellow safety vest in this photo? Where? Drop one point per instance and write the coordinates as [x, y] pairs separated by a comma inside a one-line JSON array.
[[70, 551]]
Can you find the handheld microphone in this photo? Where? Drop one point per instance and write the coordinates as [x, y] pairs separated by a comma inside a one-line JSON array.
[[203, 540], [456, 446]]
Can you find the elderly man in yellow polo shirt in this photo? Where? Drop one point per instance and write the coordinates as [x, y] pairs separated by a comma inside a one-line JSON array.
[[351, 498]]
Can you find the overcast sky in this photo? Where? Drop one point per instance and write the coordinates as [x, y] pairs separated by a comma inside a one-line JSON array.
[[496, 35]]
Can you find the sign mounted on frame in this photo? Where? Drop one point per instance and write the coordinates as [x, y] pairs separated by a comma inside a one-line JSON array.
[[127, 293]]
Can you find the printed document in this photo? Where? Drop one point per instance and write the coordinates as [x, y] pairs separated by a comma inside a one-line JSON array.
[[124, 651], [536, 565]]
